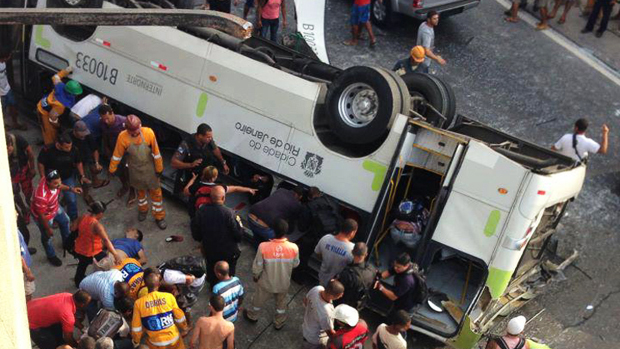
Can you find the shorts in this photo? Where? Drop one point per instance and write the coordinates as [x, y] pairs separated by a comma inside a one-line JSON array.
[[360, 14], [29, 286], [8, 100], [249, 3]]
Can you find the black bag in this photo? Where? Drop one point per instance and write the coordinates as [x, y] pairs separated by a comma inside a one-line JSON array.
[[324, 216], [105, 324], [421, 291], [186, 264], [69, 244]]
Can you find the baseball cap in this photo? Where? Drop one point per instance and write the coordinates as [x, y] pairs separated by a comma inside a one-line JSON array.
[[347, 314], [80, 129], [417, 54], [516, 325]]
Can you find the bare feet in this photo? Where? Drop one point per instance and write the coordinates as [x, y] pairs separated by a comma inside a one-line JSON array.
[[350, 43], [542, 26], [562, 20], [511, 19]]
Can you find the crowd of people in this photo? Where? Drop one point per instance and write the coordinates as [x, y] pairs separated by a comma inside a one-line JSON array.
[[121, 301], [548, 10]]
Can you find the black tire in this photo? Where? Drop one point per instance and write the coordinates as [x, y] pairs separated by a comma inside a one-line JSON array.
[[188, 4], [434, 92], [80, 32], [451, 113], [387, 19], [349, 84], [405, 97]]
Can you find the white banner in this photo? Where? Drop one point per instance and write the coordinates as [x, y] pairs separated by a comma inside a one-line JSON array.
[[310, 20]]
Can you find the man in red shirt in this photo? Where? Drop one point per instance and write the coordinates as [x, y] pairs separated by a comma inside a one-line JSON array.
[[360, 17], [351, 331], [45, 209], [52, 318]]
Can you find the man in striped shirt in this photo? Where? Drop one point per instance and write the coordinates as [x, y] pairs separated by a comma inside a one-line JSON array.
[[46, 210], [230, 288]]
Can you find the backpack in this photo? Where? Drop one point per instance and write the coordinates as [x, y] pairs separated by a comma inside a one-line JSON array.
[[421, 291], [503, 345], [325, 217], [105, 324]]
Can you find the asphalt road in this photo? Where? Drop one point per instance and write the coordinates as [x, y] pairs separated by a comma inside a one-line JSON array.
[[509, 76]]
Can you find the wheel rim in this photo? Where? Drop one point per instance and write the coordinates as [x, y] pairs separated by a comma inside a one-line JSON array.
[[73, 2], [358, 105], [379, 11]]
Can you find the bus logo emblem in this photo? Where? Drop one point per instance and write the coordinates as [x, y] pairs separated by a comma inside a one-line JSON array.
[[312, 164]]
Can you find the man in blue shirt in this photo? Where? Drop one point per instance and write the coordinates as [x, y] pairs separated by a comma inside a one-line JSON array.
[[104, 287], [130, 246], [230, 288]]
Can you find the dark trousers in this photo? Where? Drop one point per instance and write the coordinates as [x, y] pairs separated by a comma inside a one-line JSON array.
[[83, 263], [605, 6], [211, 260], [270, 26], [47, 337]]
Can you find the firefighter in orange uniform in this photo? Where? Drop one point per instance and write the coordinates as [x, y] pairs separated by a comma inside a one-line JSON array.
[[158, 315], [144, 164], [52, 106], [133, 275]]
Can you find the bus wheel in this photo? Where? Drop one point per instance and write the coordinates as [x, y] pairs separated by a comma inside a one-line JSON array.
[[426, 89], [405, 98], [361, 104]]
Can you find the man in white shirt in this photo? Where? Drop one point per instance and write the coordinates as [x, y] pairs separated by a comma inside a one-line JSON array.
[[577, 146], [426, 39], [389, 337], [318, 323]]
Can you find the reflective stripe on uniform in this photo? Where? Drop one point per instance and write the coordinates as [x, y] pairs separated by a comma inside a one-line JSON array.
[[178, 321], [116, 158], [137, 329], [158, 156], [165, 343], [158, 209]]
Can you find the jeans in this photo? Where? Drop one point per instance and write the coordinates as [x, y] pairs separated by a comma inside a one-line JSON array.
[[70, 198], [271, 26], [63, 224], [47, 337], [260, 233], [83, 263], [599, 5]]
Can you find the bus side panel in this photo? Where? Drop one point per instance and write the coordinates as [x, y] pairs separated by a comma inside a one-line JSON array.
[[278, 146], [483, 194]]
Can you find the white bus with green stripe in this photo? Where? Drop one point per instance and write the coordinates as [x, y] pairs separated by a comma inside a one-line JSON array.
[[366, 137]]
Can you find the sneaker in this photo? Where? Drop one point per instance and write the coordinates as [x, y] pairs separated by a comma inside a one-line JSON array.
[[32, 250], [142, 216], [247, 317], [161, 223], [585, 30], [55, 261], [598, 34]]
